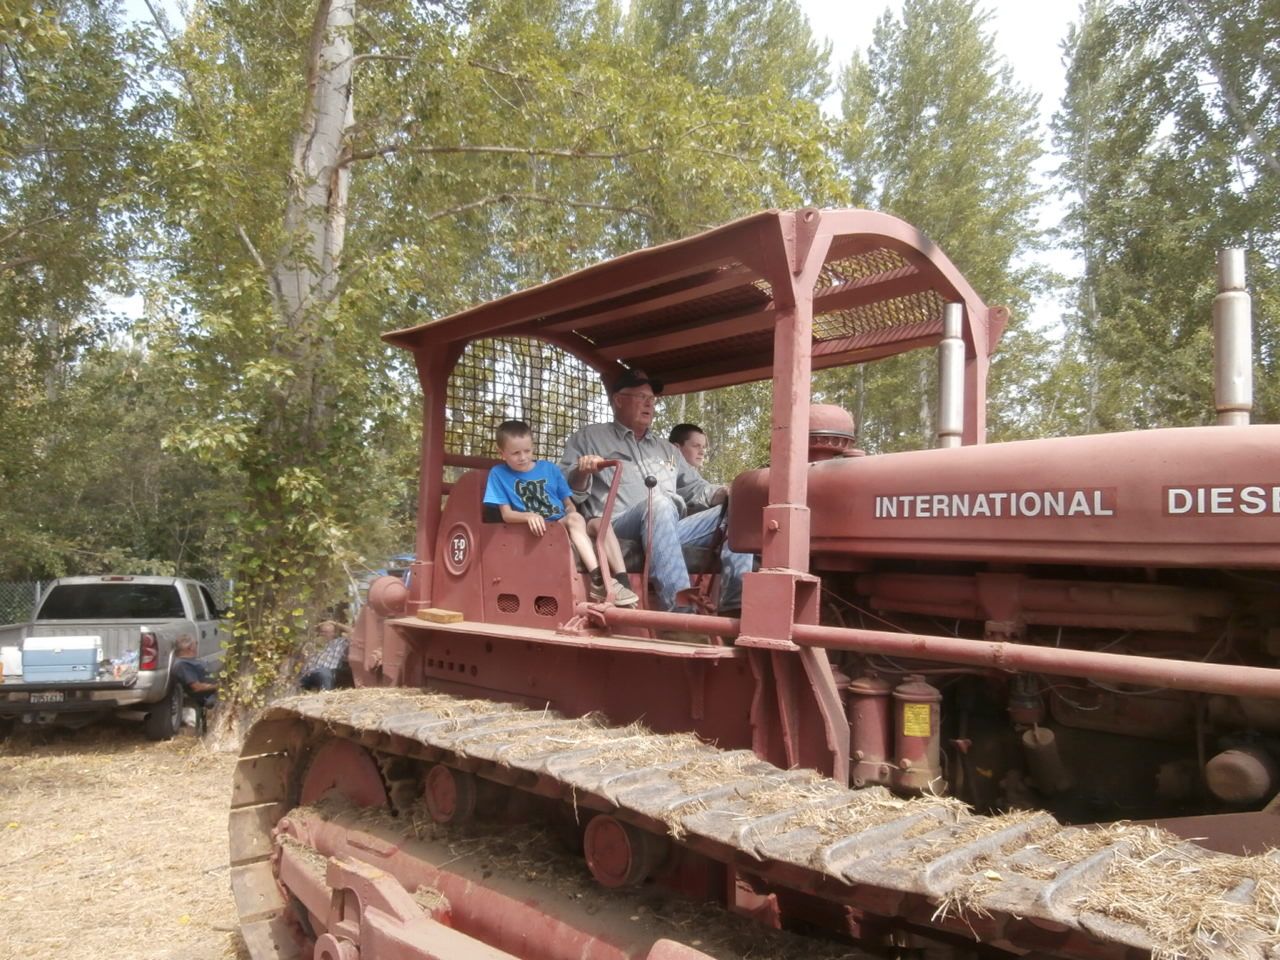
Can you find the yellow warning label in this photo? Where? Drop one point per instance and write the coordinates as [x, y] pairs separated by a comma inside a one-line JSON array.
[[915, 719]]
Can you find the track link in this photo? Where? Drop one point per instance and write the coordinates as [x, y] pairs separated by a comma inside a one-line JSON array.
[[1019, 883]]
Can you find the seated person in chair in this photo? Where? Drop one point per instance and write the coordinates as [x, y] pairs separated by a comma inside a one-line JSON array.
[[533, 492], [645, 454], [193, 674]]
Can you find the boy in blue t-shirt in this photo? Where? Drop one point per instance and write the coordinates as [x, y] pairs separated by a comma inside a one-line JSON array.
[[535, 492]]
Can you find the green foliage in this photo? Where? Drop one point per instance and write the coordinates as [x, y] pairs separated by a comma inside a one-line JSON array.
[[97, 492], [1172, 146], [78, 491], [936, 131], [748, 48]]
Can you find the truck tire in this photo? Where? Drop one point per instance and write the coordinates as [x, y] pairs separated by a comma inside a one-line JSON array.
[[165, 717]]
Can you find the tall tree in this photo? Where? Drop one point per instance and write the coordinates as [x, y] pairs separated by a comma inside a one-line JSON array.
[[937, 132], [743, 47], [1171, 133], [72, 132]]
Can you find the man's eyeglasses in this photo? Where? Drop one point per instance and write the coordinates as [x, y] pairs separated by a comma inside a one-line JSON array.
[[647, 397]]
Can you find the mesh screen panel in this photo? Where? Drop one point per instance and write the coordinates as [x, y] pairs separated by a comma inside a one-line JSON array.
[[508, 603], [858, 266], [519, 378], [545, 606], [923, 307]]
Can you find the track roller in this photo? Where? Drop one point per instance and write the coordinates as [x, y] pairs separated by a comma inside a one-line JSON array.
[[620, 855], [450, 795], [347, 768]]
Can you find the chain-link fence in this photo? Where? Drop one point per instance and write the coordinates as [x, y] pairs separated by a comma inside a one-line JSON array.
[[18, 600]]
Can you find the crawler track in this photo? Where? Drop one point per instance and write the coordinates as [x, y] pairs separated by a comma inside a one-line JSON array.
[[1018, 883]]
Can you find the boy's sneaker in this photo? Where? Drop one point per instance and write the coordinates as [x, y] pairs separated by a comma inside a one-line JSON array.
[[597, 592], [624, 596]]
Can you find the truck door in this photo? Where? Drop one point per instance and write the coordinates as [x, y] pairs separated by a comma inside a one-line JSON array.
[[217, 631], [206, 626]]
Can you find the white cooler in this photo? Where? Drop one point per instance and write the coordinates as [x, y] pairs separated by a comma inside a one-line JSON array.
[[60, 659]]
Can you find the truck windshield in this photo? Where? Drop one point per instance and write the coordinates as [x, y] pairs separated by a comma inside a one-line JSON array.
[[112, 601]]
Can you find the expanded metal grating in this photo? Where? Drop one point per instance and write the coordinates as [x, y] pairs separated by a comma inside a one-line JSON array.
[[519, 378], [915, 308], [859, 266], [508, 603], [546, 606]]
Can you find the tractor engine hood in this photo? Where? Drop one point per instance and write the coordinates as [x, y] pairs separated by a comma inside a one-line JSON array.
[[1185, 497]]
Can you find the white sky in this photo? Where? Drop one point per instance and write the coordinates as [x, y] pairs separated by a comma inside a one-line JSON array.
[[1028, 34]]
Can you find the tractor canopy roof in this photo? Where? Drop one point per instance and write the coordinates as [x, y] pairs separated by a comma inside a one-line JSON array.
[[701, 312]]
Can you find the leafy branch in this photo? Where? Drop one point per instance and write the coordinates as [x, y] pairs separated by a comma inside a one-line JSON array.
[[388, 149], [535, 198]]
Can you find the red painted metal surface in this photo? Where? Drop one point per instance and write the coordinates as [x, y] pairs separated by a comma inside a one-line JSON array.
[[489, 915], [1244, 834], [670, 686], [1084, 603], [1194, 496], [1150, 671]]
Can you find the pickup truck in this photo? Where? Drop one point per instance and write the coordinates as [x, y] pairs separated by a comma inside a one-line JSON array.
[[104, 644]]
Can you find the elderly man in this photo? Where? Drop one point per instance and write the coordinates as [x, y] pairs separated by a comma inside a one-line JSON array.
[[642, 454]]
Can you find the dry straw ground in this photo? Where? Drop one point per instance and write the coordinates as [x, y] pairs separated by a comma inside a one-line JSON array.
[[113, 846]]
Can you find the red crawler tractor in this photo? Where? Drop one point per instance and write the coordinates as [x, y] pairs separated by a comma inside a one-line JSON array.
[[1080, 630]]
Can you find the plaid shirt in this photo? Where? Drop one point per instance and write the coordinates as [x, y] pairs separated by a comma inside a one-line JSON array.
[[332, 656]]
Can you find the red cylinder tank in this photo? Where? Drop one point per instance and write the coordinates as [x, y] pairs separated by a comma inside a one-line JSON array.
[[917, 715], [870, 730]]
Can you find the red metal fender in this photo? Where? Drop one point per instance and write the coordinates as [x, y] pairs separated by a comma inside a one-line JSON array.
[[368, 908]]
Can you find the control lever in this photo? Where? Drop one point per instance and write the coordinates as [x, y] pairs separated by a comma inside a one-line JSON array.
[[651, 482], [606, 521]]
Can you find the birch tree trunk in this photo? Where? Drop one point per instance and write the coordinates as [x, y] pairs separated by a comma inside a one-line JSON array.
[[305, 278]]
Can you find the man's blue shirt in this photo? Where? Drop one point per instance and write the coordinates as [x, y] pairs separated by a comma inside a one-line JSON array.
[[541, 490]]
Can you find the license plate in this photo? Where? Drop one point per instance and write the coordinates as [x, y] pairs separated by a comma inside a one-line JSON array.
[[48, 696]]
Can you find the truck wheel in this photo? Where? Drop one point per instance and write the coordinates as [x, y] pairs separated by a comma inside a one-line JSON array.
[[166, 716]]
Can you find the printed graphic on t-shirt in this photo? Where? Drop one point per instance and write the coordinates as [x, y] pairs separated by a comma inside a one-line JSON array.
[[534, 495]]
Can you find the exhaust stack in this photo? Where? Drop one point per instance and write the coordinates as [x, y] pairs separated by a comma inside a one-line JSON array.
[[1232, 342], [951, 378]]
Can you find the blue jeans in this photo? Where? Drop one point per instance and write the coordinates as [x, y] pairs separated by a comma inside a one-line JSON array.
[[321, 678], [666, 559]]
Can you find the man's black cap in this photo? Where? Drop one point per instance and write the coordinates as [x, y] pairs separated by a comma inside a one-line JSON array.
[[635, 378]]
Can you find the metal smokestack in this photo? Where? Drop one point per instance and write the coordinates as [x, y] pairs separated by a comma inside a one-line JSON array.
[[1232, 342], [951, 378]]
